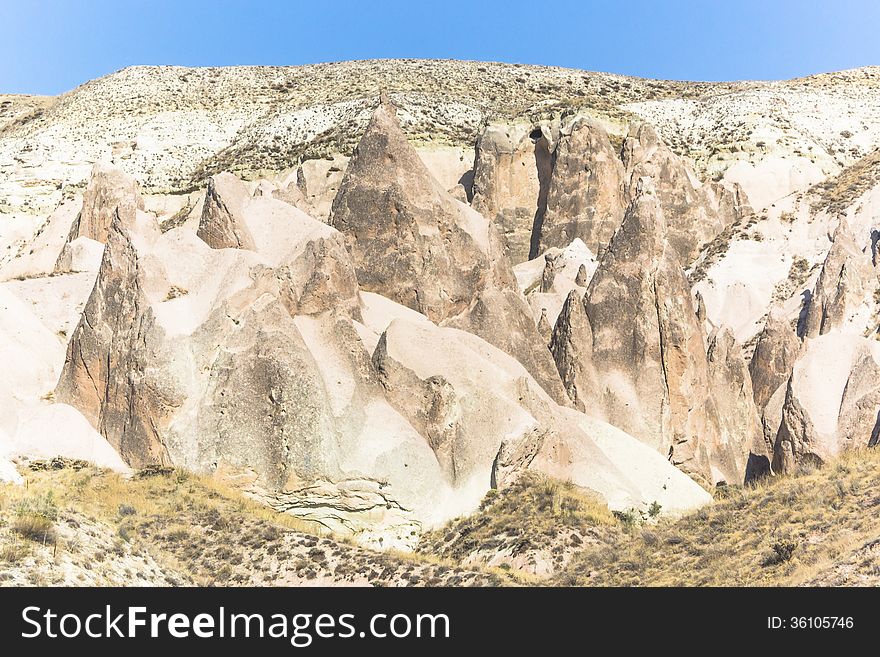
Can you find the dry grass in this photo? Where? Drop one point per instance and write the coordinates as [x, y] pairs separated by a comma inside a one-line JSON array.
[[837, 193], [785, 531], [535, 520], [203, 531]]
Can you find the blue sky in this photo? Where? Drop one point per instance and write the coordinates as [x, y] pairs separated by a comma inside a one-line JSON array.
[[50, 46]]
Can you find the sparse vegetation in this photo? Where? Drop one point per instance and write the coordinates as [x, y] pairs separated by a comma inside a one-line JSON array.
[[788, 530]]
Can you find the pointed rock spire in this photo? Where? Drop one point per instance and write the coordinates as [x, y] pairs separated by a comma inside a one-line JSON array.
[[847, 280], [775, 353], [222, 223], [582, 279], [412, 242], [572, 347], [545, 330]]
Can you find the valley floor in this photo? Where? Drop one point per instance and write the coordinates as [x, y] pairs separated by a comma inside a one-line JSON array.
[[73, 524]]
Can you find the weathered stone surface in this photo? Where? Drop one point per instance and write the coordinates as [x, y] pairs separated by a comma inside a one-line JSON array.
[[502, 318], [586, 194], [546, 280], [106, 373], [110, 192], [409, 240], [413, 243], [456, 387], [831, 402], [571, 345], [845, 287], [511, 177], [694, 214], [648, 351], [775, 353], [741, 439], [222, 222]]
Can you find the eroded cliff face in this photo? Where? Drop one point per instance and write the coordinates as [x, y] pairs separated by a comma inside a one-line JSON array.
[[636, 354], [415, 244], [346, 333], [586, 197]]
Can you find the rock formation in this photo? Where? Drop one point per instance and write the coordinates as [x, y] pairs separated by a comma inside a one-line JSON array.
[[831, 402], [586, 194], [694, 214], [110, 192], [413, 243], [731, 388], [222, 225], [649, 352], [511, 176], [845, 287], [775, 353]]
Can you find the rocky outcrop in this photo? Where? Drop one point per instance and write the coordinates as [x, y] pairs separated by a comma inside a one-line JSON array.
[[571, 345], [110, 192], [409, 240], [586, 194], [222, 222], [652, 378], [502, 318], [511, 176], [844, 290], [740, 424], [547, 280], [413, 243], [454, 386], [105, 372], [831, 403], [775, 353], [694, 213]]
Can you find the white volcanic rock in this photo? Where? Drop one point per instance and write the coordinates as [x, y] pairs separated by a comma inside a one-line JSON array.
[[775, 258], [831, 402], [50, 430], [222, 222], [29, 351], [57, 300], [547, 280], [41, 254]]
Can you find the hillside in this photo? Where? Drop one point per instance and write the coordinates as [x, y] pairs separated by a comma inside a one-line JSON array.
[[439, 322]]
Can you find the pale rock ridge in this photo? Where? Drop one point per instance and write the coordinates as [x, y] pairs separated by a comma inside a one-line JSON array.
[[546, 280], [221, 225], [454, 386], [586, 194], [409, 240]]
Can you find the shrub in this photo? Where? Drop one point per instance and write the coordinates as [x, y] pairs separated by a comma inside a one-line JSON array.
[[35, 517], [783, 551]]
